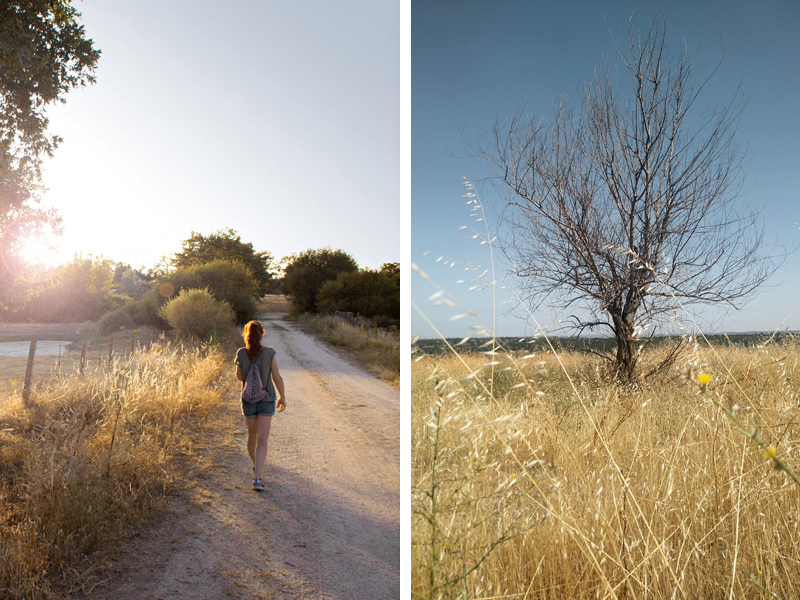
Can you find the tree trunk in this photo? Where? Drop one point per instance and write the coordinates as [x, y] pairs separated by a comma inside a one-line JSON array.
[[626, 356]]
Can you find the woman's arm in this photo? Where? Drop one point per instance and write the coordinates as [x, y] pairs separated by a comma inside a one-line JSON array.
[[276, 377], [237, 361]]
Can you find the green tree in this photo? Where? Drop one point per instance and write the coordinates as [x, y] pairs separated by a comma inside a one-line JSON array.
[[80, 290], [227, 280], [226, 244], [367, 293], [391, 269], [129, 282], [44, 53], [306, 272]]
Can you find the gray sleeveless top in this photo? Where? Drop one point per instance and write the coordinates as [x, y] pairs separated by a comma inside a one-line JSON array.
[[263, 363]]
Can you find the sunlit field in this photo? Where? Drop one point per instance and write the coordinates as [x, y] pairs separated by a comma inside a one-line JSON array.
[[540, 477], [90, 456]]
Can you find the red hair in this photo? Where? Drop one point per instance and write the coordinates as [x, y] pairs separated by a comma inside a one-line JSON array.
[[252, 338]]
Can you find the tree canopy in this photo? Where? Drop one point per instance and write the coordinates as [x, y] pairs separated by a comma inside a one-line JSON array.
[[367, 293], [226, 244], [227, 280], [82, 289], [391, 269], [44, 53], [306, 272]]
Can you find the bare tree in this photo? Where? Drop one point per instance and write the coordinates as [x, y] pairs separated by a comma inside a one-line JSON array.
[[627, 206]]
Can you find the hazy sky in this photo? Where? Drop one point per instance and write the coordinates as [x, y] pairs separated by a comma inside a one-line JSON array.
[[475, 61], [277, 119]]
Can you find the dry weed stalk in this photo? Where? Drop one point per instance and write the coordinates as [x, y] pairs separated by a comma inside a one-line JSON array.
[[447, 494]]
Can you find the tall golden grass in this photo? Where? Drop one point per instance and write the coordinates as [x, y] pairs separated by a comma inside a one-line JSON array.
[[381, 357], [536, 481], [89, 456]]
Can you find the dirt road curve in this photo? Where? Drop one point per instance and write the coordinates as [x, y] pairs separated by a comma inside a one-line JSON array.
[[327, 527]]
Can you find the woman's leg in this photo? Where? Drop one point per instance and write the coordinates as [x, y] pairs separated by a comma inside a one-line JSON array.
[[252, 437], [262, 439]]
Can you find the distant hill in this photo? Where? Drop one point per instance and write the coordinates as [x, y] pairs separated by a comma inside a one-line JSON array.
[[584, 344]]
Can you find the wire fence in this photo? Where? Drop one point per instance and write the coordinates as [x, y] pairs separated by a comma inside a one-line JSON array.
[[44, 358]]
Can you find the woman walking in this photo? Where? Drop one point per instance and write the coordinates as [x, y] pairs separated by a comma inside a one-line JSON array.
[[258, 415]]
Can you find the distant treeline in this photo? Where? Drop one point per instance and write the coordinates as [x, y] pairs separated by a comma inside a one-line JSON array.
[[217, 268], [585, 344]]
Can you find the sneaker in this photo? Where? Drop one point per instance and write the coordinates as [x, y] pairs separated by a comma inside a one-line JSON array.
[[258, 485]]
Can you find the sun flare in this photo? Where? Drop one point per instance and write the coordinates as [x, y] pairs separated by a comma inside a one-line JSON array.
[[42, 250]]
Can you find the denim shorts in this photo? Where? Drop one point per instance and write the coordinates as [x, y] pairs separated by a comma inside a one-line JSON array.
[[265, 407]]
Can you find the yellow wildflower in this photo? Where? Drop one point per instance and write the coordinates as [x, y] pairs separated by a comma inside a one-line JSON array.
[[770, 452], [704, 378]]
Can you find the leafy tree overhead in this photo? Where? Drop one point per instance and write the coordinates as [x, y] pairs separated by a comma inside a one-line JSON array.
[[226, 244], [624, 211], [44, 53], [306, 272]]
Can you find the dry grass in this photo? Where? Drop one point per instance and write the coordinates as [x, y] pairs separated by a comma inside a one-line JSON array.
[[381, 357], [12, 369], [599, 492], [274, 303], [89, 456]]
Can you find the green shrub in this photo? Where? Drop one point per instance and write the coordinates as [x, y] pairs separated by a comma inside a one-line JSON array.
[[227, 280], [305, 273], [242, 302], [196, 314], [117, 319], [144, 311], [367, 293]]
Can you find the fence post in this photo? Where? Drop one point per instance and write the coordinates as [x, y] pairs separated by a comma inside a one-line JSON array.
[[26, 389], [133, 339], [83, 357], [110, 349]]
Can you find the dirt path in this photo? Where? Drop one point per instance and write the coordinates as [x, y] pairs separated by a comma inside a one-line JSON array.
[[327, 527]]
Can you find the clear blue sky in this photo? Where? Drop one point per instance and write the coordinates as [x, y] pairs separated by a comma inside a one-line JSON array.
[[277, 119], [475, 61]]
